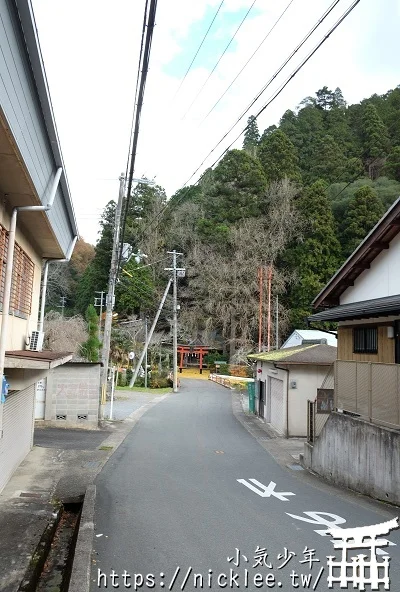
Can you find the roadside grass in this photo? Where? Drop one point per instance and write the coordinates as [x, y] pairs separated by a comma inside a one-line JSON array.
[[141, 389]]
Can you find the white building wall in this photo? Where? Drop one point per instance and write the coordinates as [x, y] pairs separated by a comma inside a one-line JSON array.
[[382, 279], [268, 370], [18, 328], [293, 340], [308, 379]]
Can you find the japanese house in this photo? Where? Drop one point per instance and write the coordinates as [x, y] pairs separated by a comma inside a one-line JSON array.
[[363, 297], [310, 336], [37, 223], [286, 380]]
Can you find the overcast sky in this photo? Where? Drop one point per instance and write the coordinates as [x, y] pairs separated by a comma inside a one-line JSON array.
[[90, 50]]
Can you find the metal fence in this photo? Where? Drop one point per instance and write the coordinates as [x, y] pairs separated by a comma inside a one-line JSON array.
[[315, 419], [370, 391]]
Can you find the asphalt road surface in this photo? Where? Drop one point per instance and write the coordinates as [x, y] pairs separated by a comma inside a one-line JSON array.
[[171, 513]]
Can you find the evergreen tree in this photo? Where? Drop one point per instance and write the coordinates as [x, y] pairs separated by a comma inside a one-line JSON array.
[[96, 274], [278, 157], [251, 136], [329, 161], [90, 349], [316, 258], [135, 291], [238, 183], [392, 165], [325, 98], [363, 212], [375, 140]]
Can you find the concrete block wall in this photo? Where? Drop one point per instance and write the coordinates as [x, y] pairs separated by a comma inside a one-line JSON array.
[[359, 455], [72, 397]]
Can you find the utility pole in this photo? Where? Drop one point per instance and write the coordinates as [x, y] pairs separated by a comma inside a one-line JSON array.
[[260, 313], [150, 335], [63, 300], [99, 304], [145, 362], [277, 323], [105, 354], [175, 316], [269, 308]]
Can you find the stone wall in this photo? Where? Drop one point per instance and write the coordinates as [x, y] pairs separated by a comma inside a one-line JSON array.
[[72, 396], [359, 455]]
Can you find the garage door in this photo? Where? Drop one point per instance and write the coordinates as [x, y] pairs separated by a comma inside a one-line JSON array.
[[276, 405], [17, 432]]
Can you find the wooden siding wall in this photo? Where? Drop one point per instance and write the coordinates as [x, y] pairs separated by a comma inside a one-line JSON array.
[[21, 107], [385, 353]]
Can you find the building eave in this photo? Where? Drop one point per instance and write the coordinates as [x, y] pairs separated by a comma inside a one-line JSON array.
[[374, 243], [30, 36]]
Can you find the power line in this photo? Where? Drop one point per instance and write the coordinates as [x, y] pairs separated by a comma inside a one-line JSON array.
[[199, 48], [248, 61], [333, 28], [220, 58], [282, 87], [149, 19], [287, 60], [137, 86]]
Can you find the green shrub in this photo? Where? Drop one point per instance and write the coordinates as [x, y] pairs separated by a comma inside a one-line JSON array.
[[224, 369]]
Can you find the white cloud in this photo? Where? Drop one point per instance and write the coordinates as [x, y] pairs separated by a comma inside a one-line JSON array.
[[91, 49]]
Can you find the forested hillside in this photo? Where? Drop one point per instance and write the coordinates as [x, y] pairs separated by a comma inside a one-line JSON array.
[[298, 197]]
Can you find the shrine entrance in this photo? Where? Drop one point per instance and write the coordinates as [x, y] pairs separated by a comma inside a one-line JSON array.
[[192, 356]]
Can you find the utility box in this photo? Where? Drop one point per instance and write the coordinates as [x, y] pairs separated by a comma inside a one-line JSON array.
[[251, 389]]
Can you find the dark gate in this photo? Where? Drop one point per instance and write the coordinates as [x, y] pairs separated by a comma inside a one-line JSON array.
[[261, 398]]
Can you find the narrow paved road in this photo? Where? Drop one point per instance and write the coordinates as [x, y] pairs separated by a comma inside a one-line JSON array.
[[170, 497]]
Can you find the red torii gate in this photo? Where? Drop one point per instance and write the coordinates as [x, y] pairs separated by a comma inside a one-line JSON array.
[[198, 350]]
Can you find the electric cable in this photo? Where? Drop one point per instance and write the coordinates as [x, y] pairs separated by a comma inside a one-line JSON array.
[[249, 60], [281, 88], [144, 67], [219, 59], [137, 86], [333, 28], [199, 48]]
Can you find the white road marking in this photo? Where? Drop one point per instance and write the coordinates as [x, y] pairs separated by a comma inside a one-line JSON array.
[[266, 491], [318, 518]]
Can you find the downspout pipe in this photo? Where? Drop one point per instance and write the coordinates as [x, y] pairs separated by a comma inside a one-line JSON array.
[[45, 276], [10, 263]]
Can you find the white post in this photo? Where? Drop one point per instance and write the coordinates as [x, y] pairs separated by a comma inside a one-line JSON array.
[[145, 363], [150, 335], [112, 391]]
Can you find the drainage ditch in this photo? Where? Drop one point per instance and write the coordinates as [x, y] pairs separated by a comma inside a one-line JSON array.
[[51, 565]]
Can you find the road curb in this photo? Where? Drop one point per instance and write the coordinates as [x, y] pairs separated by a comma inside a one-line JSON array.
[[81, 567], [82, 562]]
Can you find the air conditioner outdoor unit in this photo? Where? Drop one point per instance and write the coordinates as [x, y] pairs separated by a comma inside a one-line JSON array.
[[36, 342]]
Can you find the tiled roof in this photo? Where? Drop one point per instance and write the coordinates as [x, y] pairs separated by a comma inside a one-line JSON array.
[[301, 354]]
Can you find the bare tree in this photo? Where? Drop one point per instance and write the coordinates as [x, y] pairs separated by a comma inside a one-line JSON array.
[[223, 288], [64, 334]]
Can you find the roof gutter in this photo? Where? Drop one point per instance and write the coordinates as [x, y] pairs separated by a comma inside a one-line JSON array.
[[30, 35], [45, 276]]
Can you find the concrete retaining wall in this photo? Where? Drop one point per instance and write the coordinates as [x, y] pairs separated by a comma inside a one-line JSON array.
[[72, 397], [359, 455]]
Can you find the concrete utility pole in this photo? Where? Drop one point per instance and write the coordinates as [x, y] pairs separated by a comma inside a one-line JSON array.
[[98, 302], [63, 300], [145, 360], [175, 316], [105, 354]]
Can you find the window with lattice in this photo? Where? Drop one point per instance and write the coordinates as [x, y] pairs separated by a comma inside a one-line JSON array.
[[22, 277]]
